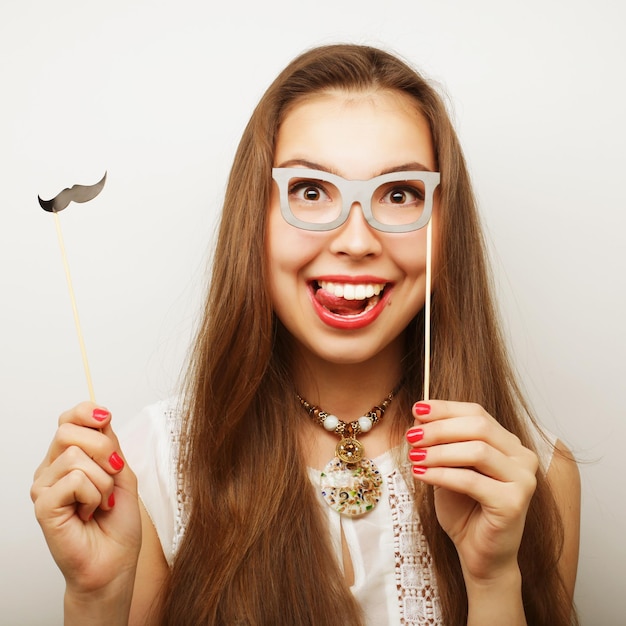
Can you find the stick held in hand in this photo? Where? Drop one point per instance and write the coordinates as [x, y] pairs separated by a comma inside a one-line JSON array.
[[77, 193]]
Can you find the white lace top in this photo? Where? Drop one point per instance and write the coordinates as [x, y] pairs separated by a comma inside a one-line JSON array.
[[393, 576]]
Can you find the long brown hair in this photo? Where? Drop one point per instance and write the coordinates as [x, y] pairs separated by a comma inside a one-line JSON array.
[[255, 549]]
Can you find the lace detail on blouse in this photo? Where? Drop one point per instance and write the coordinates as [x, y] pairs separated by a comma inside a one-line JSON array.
[[182, 498], [415, 578]]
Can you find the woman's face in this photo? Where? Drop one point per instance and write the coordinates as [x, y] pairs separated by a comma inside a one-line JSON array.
[[325, 284]]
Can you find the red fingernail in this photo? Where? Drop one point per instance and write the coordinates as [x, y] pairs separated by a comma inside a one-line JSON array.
[[100, 414], [418, 469], [116, 461], [111, 501], [413, 435], [417, 455], [421, 408]]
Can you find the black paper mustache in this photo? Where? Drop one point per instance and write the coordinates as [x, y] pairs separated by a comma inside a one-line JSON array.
[[77, 193]]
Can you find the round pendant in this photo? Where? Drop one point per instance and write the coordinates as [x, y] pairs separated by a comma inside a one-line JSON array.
[[349, 450], [351, 489]]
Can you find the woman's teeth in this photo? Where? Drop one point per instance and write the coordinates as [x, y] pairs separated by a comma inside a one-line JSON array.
[[351, 291], [348, 299]]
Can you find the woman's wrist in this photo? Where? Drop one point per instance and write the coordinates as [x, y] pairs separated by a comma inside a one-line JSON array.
[[496, 600], [109, 606]]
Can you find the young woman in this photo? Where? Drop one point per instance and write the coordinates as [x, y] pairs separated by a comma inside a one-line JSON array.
[[303, 478]]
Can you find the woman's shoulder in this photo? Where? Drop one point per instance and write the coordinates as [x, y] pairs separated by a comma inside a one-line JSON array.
[[544, 443]]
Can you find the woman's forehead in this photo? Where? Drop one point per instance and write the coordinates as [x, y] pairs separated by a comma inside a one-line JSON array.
[[355, 134]]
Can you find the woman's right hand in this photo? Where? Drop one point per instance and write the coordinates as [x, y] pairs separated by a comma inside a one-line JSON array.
[[86, 502]]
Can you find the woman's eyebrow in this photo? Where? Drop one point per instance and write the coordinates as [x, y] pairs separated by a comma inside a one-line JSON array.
[[309, 165], [413, 166]]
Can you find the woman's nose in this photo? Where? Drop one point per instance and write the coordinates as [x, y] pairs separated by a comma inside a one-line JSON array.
[[355, 237]]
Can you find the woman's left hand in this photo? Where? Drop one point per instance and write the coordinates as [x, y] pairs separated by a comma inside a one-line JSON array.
[[484, 479]]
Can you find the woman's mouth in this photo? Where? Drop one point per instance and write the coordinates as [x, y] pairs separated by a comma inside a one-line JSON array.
[[347, 299]]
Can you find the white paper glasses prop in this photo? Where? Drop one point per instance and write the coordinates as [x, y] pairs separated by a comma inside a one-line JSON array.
[[395, 202], [77, 193]]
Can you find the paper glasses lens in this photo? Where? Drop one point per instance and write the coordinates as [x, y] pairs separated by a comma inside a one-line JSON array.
[[399, 202], [314, 200]]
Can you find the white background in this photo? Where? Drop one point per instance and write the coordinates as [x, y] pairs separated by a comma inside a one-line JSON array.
[[157, 93]]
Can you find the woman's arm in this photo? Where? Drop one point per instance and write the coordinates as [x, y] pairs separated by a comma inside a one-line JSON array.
[[152, 574]]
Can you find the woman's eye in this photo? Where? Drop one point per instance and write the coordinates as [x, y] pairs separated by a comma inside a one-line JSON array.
[[307, 191], [404, 195]]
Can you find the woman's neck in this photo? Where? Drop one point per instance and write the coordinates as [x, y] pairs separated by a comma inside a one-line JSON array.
[[348, 390]]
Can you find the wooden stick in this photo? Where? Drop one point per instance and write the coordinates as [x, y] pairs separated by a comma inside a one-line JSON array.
[[429, 254], [81, 341]]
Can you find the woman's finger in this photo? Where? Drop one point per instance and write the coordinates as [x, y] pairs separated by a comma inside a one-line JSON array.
[[86, 414], [101, 445], [479, 456], [75, 459], [74, 493], [441, 421], [509, 498]]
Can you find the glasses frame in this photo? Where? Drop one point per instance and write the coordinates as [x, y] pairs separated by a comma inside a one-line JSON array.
[[353, 191]]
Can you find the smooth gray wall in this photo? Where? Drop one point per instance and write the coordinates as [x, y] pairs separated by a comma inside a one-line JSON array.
[[157, 94]]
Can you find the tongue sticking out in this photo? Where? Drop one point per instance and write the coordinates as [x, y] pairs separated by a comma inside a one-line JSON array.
[[341, 306]]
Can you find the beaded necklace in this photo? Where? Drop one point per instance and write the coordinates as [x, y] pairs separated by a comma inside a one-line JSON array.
[[350, 482]]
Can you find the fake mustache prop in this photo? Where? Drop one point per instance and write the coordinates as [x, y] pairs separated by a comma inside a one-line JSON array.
[[76, 193]]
